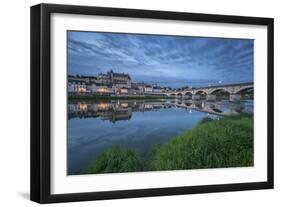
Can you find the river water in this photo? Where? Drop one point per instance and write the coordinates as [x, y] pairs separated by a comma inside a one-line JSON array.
[[95, 126]]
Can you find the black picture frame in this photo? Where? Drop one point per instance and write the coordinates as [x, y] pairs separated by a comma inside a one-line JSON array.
[[41, 98]]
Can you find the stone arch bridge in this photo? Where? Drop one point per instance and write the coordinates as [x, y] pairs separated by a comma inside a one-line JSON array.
[[234, 91]]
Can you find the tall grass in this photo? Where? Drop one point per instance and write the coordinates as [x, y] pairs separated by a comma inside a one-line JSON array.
[[213, 144], [116, 159], [227, 142]]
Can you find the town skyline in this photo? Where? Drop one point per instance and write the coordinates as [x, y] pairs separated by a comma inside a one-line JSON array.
[[169, 61]]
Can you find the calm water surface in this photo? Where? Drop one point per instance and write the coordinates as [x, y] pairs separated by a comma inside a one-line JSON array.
[[140, 125]]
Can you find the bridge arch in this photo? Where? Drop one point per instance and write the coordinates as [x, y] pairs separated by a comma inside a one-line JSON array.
[[220, 94], [188, 95], [217, 90], [243, 89], [200, 92]]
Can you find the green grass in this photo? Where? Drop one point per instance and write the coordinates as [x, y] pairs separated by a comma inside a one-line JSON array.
[[227, 142], [206, 119], [116, 159], [213, 144]]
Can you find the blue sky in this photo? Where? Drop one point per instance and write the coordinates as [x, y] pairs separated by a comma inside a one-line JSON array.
[[167, 60]]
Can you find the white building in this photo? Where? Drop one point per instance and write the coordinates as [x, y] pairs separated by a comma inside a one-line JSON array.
[[148, 89], [76, 87], [158, 89]]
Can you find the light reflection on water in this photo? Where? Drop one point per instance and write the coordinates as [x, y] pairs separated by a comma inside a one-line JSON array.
[[138, 124]]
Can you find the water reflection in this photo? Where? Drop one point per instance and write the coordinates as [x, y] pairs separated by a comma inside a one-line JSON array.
[[123, 110], [95, 126]]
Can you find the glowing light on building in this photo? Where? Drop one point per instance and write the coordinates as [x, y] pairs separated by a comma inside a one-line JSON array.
[[102, 90], [103, 105], [83, 106], [81, 90]]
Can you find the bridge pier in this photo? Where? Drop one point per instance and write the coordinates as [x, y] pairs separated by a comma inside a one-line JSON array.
[[211, 97], [187, 96], [195, 97], [235, 97]]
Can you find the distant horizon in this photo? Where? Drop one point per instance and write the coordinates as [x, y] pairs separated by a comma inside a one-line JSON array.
[[169, 61]]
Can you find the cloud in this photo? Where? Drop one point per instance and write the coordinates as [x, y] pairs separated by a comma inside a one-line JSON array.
[[159, 57]]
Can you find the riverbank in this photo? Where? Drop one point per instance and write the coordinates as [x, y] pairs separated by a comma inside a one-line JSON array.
[[227, 142], [138, 97], [101, 97]]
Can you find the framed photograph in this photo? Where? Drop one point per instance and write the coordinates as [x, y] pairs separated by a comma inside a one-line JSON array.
[[133, 103]]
